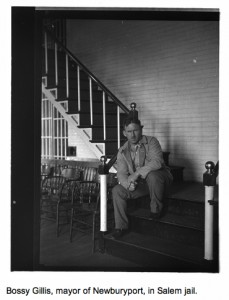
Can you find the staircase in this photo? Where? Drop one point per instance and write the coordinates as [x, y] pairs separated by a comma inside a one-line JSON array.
[[82, 99], [85, 102], [173, 243]]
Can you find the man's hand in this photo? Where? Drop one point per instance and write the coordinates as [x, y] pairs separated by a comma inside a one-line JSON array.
[[133, 177], [132, 180], [132, 186]]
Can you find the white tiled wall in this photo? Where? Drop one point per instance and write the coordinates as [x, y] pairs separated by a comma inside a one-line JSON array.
[[170, 69]]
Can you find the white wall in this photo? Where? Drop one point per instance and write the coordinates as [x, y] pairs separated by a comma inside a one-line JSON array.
[[170, 69], [82, 151]]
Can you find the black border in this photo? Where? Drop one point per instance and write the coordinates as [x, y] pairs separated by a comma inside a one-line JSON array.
[[25, 138]]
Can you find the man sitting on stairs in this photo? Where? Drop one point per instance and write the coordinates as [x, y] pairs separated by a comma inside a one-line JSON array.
[[141, 171]]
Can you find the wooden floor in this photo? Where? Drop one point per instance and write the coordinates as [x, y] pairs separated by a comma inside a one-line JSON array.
[[57, 253]]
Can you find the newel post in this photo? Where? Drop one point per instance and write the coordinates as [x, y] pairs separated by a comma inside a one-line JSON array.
[[103, 171], [133, 112], [209, 181]]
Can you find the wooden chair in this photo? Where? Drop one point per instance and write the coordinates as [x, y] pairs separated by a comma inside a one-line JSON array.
[[46, 171], [56, 196], [86, 204]]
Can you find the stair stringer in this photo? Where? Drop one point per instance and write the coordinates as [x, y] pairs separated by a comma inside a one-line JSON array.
[[96, 148]]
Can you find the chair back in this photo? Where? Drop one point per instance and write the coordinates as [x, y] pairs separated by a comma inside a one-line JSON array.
[[52, 185], [90, 174], [73, 173]]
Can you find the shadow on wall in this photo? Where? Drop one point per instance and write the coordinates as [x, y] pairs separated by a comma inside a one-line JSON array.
[[162, 132], [190, 172], [179, 151]]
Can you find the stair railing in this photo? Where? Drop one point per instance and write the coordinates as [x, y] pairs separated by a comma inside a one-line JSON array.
[[92, 78], [209, 181], [104, 167]]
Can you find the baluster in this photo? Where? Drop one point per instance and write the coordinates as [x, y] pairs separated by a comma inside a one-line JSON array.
[[118, 125], [46, 129], [50, 131], [57, 140], [104, 117], [46, 54], [56, 65], [53, 131], [61, 138], [78, 85], [64, 139], [91, 104], [67, 77]]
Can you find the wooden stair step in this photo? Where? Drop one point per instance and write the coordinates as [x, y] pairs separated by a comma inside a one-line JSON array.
[[175, 242], [84, 94], [155, 254], [98, 118], [97, 133], [177, 202], [85, 107], [185, 207], [62, 74], [187, 230], [184, 221], [84, 83]]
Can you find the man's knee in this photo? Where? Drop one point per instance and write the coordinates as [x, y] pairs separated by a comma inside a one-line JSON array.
[[159, 181], [155, 177], [119, 191]]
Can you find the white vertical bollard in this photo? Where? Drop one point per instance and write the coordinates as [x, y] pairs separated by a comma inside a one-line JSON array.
[[103, 202], [209, 180], [209, 210], [103, 172]]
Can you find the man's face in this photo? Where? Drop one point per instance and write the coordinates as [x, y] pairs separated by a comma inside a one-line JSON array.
[[133, 133]]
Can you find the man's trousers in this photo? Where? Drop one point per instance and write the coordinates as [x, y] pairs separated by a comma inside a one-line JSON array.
[[156, 185]]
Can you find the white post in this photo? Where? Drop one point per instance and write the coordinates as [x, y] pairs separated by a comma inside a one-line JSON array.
[[103, 202], [78, 86], [104, 117], [118, 126], [103, 172], [56, 65], [46, 54], [91, 103], [209, 180], [67, 76], [209, 209]]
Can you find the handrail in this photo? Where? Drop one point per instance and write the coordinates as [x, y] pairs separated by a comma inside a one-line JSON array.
[[112, 161], [91, 75]]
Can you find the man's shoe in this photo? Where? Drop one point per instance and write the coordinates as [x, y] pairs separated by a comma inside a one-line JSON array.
[[154, 216], [118, 233]]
